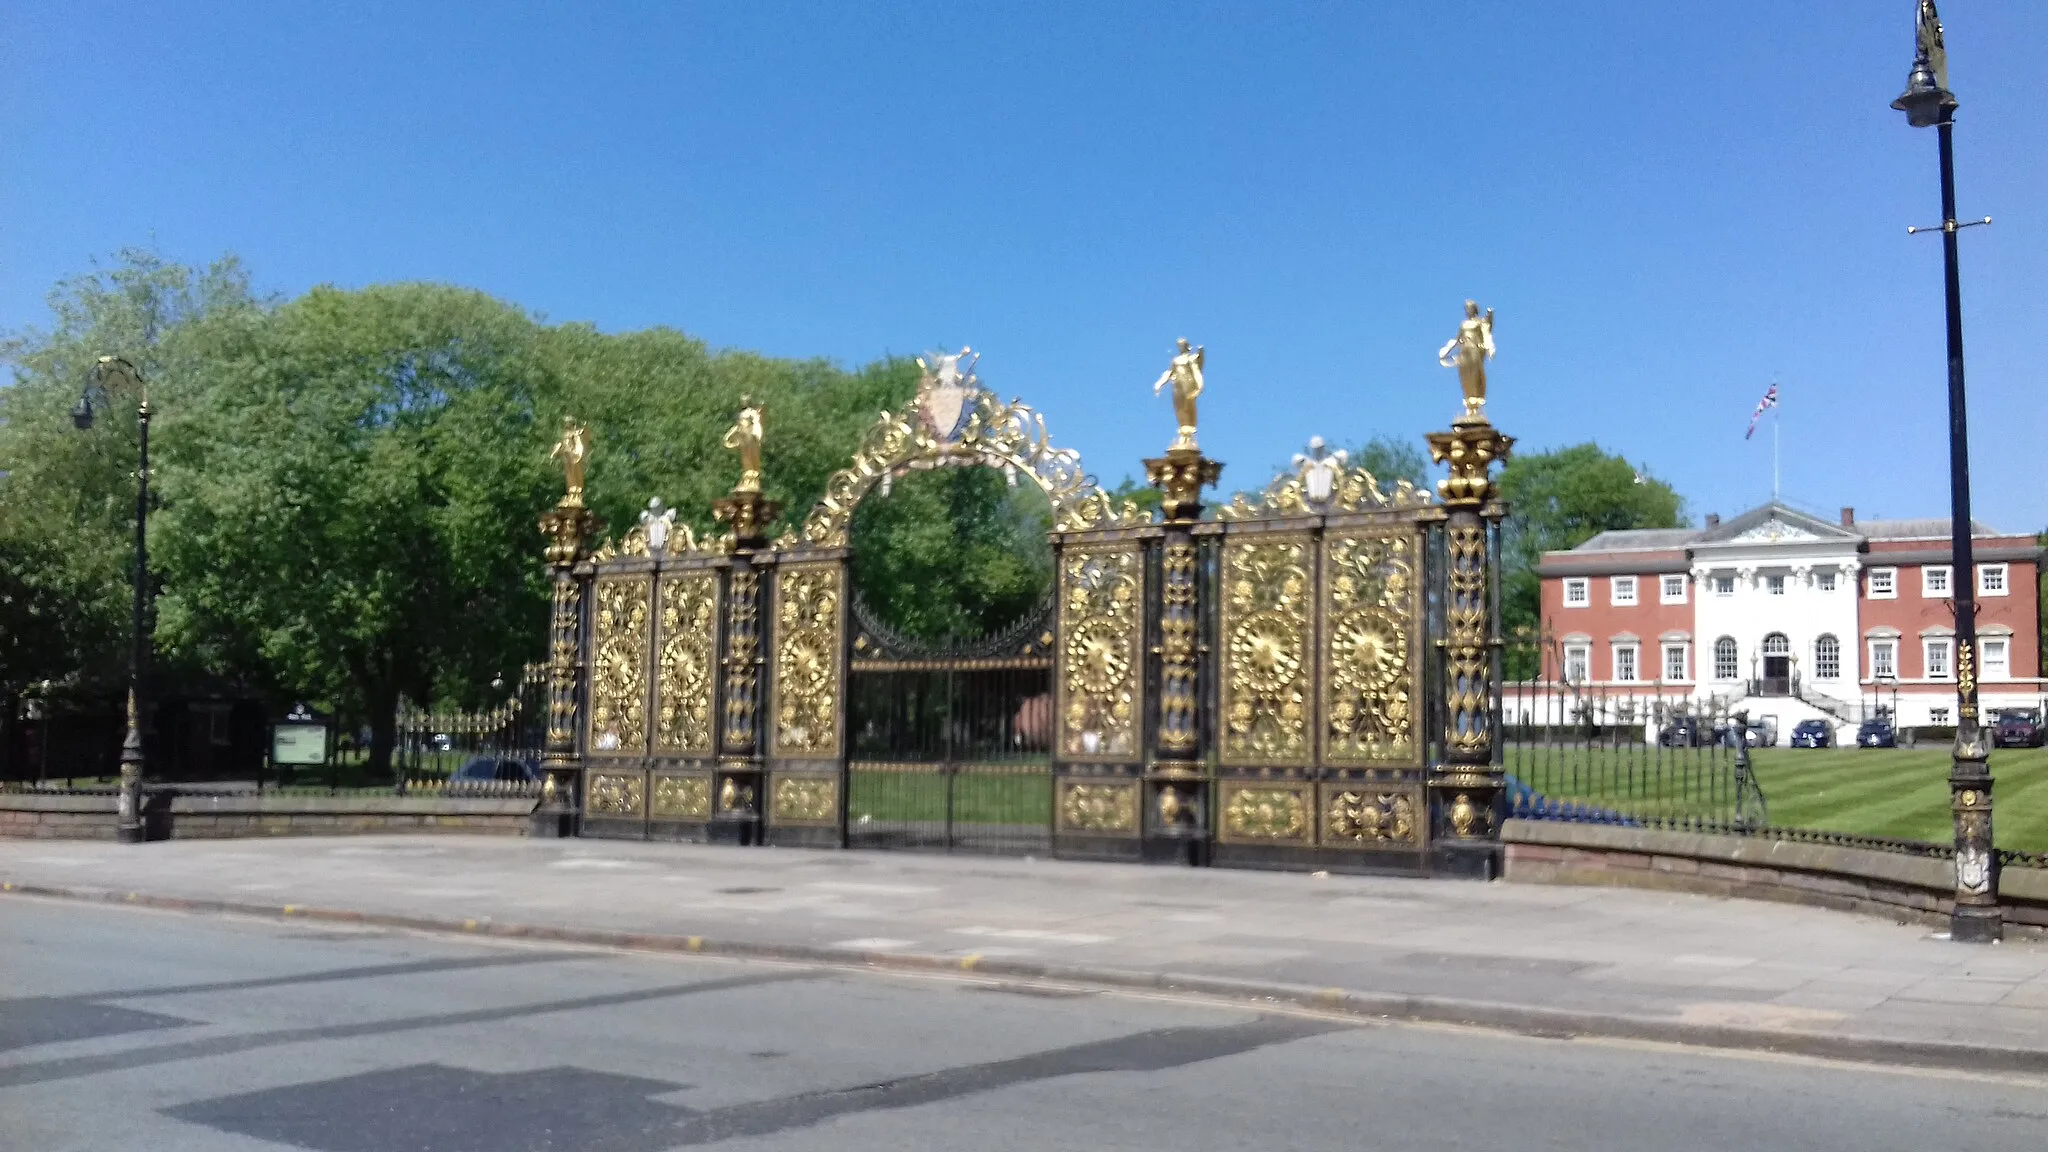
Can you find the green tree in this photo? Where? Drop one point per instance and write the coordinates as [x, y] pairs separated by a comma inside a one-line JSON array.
[[1390, 459], [1558, 500], [352, 500], [67, 498], [952, 553]]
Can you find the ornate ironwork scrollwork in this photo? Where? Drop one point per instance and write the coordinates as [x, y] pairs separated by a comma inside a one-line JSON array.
[[1177, 628], [1088, 807], [1369, 660], [618, 666], [1101, 613], [1359, 816], [742, 660], [684, 685], [1468, 709], [804, 800], [1266, 814], [682, 798], [1010, 437], [807, 659], [1265, 626], [615, 794]]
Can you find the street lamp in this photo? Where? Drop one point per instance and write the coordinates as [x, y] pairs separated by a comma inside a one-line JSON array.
[[128, 829], [1928, 103]]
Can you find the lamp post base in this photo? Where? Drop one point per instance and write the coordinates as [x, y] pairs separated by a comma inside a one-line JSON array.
[[1976, 924]]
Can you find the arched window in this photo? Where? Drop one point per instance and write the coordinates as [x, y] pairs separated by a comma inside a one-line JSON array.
[[1726, 663], [1776, 645], [1827, 658]]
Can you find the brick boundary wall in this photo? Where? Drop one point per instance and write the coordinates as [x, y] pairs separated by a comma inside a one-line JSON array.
[[1827, 876], [93, 817]]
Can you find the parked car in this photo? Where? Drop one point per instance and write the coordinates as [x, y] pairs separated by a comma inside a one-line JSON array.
[[1684, 732], [1813, 734], [490, 768], [1876, 734], [1761, 733], [2018, 728]]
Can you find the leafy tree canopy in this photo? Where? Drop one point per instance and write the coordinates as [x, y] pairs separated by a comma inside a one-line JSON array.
[[1560, 499], [953, 553]]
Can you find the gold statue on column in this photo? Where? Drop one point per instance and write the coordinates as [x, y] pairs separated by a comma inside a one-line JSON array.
[[572, 449], [1185, 374], [1468, 352], [745, 438]]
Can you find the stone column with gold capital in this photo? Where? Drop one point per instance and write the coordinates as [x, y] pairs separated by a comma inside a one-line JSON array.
[[1466, 792], [1176, 785], [569, 528]]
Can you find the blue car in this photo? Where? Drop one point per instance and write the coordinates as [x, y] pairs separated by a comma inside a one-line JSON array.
[[1876, 734], [1813, 734]]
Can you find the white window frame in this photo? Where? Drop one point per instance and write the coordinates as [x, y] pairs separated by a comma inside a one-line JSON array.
[[1583, 586], [1889, 665], [1890, 591], [1984, 587], [1946, 645], [1676, 648], [1948, 581], [1616, 597], [1734, 662], [1824, 581], [1635, 661], [1820, 668], [1774, 585], [1664, 593], [1937, 716], [1583, 654], [1999, 667]]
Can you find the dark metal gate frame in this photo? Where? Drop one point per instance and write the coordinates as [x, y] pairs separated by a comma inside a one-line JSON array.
[[1309, 679]]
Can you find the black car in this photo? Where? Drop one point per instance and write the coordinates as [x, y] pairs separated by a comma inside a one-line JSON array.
[[1813, 734], [1684, 732], [2018, 728], [486, 769], [1876, 734]]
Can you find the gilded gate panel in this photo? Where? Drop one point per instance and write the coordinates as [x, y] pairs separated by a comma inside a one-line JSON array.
[[681, 797], [1267, 812], [684, 670], [1372, 663], [618, 665], [1266, 623], [808, 652], [1369, 814], [618, 795], [1101, 625]]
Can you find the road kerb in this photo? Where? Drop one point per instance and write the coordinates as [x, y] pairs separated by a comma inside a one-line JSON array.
[[1380, 1007]]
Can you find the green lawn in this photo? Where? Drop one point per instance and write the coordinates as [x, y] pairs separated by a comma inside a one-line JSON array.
[[1023, 797], [1891, 792], [1901, 792]]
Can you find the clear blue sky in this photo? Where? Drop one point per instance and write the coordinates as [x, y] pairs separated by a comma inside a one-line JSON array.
[[1666, 202]]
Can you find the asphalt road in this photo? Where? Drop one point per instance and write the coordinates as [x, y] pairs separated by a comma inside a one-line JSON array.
[[127, 1028]]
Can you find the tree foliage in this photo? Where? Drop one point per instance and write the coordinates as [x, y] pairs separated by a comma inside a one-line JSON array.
[[952, 553], [1561, 499]]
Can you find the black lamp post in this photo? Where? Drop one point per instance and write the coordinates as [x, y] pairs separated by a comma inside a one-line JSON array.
[[129, 828], [1928, 103]]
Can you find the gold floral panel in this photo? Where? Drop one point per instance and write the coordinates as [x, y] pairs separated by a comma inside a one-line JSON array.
[[681, 798], [1099, 664], [615, 795], [1266, 813], [1362, 814], [811, 800], [808, 653], [1372, 667], [618, 666], [684, 678], [1099, 807], [1268, 611]]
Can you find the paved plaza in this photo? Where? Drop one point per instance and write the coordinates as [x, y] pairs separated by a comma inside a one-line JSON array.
[[1549, 960]]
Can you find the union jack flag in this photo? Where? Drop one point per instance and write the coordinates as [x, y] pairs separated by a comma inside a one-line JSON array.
[[1770, 400]]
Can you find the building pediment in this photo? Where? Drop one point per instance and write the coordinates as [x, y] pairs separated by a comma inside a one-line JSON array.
[[1776, 524]]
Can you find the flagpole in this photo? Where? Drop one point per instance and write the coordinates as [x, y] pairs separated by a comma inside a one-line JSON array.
[[1774, 449]]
